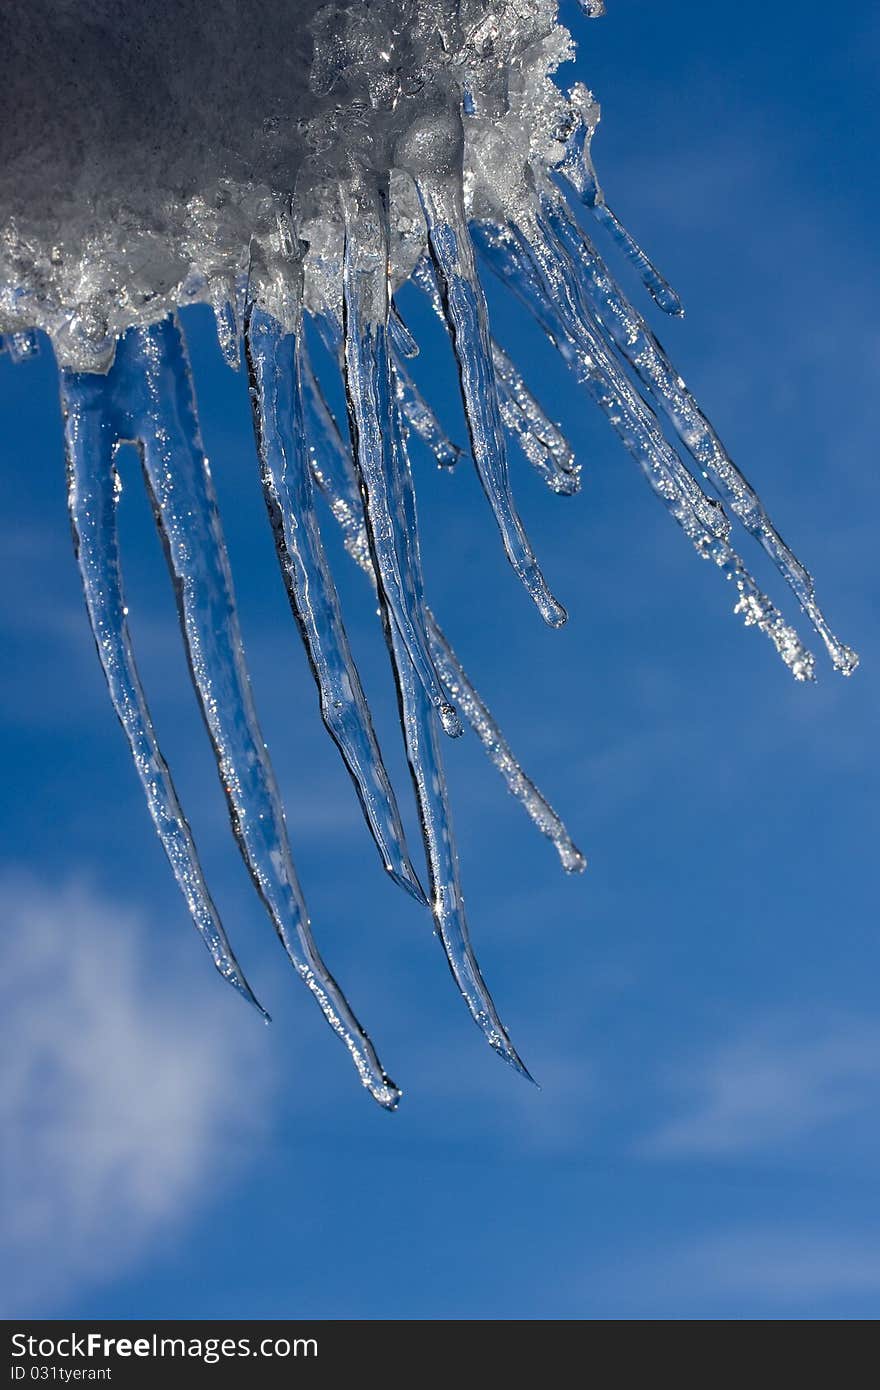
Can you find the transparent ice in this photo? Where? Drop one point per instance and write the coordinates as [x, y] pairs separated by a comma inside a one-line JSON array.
[[293, 163]]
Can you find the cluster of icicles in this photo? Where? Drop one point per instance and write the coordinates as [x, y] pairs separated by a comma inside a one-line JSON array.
[[361, 468]]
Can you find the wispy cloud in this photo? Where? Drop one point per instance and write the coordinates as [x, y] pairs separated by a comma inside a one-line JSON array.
[[779, 1266], [119, 1105], [770, 1087]]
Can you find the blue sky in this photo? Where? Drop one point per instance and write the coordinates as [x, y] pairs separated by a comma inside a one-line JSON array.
[[701, 1008]]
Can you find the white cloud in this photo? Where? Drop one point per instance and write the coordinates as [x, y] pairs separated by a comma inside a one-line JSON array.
[[772, 1086], [120, 1102]]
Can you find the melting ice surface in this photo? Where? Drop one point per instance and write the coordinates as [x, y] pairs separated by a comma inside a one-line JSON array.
[[293, 164]]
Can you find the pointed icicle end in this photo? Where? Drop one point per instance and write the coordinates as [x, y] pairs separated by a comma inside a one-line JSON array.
[[449, 719], [508, 1053], [497, 1037], [241, 986], [401, 337], [405, 876]]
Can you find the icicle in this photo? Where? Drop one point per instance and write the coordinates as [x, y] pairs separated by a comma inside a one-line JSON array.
[[227, 324], [419, 415], [154, 361], [538, 270], [425, 277], [577, 168], [402, 340], [635, 341], [333, 471], [416, 411], [423, 752], [334, 475], [369, 392], [519, 784], [429, 781], [542, 442], [273, 364], [92, 434], [465, 309], [660, 290]]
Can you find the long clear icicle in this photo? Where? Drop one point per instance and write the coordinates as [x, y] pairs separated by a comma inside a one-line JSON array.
[[536, 267], [641, 349], [578, 169], [465, 307], [369, 392], [274, 369], [333, 473], [185, 506], [421, 737], [93, 430]]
